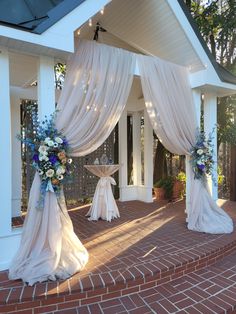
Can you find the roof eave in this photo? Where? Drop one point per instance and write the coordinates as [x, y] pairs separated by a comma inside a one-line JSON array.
[[57, 13]]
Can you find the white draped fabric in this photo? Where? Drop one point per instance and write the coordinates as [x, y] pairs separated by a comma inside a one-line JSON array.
[[96, 89], [170, 106], [104, 205], [94, 95]]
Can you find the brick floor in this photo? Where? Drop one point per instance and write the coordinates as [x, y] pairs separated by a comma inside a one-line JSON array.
[[146, 261]]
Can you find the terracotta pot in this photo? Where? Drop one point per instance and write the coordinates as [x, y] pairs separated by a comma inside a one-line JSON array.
[[159, 193], [178, 189]]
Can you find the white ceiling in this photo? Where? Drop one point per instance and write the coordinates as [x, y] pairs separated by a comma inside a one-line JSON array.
[[150, 27], [142, 26]]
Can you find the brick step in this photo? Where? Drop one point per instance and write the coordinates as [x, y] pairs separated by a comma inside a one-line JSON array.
[[149, 246], [146, 277], [207, 291]]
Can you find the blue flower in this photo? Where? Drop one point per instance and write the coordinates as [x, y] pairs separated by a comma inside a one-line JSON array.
[[202, 167], [36, 157], [53, 159]]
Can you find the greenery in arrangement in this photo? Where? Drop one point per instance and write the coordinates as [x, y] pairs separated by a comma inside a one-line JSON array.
[[202, 156], [50, 151]]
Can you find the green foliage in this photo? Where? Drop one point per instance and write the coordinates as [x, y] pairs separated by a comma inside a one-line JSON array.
[[216, 20], [60, 72], [167, 185], [181, 176], [221, 177]]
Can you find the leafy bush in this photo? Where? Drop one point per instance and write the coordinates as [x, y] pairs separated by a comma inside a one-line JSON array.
[[167, 185], [181, 176]]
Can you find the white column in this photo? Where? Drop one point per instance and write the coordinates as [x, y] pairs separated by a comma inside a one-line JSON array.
[[16, 157], [210, 121], [148, 157], [197, 101], [137, 148], [197, 98], [5, 140], [123, 154], [46, 86], [9, 240]]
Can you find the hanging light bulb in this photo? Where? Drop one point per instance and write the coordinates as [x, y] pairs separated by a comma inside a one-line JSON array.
[[78, 32], [90, 22], [102, 10]]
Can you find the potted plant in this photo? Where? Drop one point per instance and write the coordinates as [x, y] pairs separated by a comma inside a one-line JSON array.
[[159, 190], [179, 186], [163, 188]]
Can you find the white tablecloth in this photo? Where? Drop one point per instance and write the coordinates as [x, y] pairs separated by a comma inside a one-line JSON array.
[[104, 205]]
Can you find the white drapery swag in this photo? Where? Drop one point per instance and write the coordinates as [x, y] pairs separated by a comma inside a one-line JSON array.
[[170, 106], [95, 93]]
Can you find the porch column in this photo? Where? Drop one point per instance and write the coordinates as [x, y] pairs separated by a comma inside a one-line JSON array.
[[9, 240], [123, 154], [46, 86], [5, 140], [210, 121], [137, 148], [16, 157], [148, 157], [197, 102]]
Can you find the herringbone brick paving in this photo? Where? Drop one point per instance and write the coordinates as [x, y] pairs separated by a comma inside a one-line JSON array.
[[148, 245]]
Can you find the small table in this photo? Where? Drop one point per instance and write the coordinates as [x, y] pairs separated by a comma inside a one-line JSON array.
[[104, 205]]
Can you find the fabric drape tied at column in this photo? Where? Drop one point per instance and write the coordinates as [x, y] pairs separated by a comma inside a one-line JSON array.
[[95, 92], [169, 103]]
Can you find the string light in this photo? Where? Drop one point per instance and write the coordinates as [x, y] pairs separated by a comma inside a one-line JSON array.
[[90, 22], [78, 32], [102, 11]]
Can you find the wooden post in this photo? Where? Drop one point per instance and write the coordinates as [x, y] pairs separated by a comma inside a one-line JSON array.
[[148, 157], [123, 154], [233, 173], [137, 148]]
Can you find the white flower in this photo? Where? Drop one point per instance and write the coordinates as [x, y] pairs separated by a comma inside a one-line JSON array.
[[43, 149], [60, 177], [50, 173], [58, 140], [43, 157], [47, 139], [60, 170], [40, 172], [55, 145], [200, 162], [50, 143], [69, 160], [200, 151]]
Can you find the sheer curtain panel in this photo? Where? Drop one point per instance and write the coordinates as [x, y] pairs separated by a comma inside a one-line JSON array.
[[96, 89], [169, 103]]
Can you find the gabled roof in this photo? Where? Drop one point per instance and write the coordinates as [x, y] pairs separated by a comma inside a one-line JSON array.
[[35, 16]]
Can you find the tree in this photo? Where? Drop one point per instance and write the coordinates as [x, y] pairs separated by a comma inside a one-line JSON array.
[[216, 20]]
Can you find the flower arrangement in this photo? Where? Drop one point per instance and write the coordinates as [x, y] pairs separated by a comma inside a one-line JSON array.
[[50, 151], [202, 156]]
